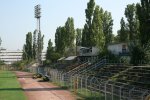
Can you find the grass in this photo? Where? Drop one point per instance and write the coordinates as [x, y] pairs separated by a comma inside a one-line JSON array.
[[85, 94], [10, 88], [82, 94]]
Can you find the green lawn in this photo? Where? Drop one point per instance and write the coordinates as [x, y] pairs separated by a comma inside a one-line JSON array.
[[10, 88]]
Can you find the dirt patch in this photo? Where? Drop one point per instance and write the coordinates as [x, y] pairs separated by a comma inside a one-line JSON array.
[[35, 90]]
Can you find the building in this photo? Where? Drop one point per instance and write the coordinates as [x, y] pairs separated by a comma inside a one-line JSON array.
[[87, 53], [118, 49], [11, 56]]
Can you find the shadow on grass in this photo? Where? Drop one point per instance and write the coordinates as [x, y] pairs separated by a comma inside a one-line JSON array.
[[8, 77], [11, 89], [30, 89]]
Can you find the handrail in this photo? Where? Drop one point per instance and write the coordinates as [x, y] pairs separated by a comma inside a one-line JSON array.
[[77, 68], [102, 62]]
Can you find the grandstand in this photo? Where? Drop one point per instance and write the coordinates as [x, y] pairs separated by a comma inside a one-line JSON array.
[[118, 80], [137, 76]]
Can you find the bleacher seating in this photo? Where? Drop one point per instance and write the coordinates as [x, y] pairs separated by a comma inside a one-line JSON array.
[[137, 76]]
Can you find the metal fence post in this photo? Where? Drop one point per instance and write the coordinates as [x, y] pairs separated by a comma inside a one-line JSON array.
[[120, 92], [112, 91], [105, 92]]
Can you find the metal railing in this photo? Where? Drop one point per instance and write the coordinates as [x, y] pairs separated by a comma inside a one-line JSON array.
[[86, 84]]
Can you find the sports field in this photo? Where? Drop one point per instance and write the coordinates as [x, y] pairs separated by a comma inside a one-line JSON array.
[[10, 88]]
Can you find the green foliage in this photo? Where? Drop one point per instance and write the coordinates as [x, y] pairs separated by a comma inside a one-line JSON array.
[[137, 54], [87, 37], [55, 57], [112, 58], [97, 36], [27, 49], [107, 23], [20, 64], [60, 40], [51, 55], [123, 32], [143, 13], [50, 50], [40, 44], [78, 37], [65, 36], [98, 27], [0, 41], [89, 12], [69, 32], [2, 63], [34, 44], [130, 13]]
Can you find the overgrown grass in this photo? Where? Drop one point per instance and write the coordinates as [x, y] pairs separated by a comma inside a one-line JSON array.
[[82, 94], [85, 94], [10, 88]]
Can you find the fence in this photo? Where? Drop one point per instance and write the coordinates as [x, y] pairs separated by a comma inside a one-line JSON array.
[[92, 86], [7, 67]]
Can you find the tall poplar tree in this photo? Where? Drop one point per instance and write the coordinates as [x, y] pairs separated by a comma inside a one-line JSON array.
[[27, 49], [78, 37], [107, 23], [50, 50], [130, 13], [69, 33], [40, 44], [0, 41], [123, 32], [97, 36], [143, 12], [60, 40], [87, 31], [34, 44]]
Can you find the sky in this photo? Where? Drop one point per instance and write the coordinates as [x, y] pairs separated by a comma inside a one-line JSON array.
[[17, 17]]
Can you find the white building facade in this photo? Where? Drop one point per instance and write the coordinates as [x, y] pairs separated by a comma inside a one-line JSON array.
[[11, 56], [118, 48]]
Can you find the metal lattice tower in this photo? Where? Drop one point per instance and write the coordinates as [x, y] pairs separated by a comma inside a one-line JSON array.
[[38, 29], [38, 16]]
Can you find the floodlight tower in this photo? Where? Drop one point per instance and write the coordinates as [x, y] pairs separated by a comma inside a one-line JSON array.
[[38, 16], [38, 30]]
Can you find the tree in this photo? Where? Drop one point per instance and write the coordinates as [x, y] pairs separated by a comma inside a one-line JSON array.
[[97, 36], [60, 40], [143, 12], [78, 37], [24, 54], [69, 33], [51, 55], [0, 41], [34, 44], [137, 54], [123, 32], [55, 56], [50, 50], [89, 12], [65, 38], [107, 23], [40, 44], [85, 36], [130, 13], [27, 49], [87, 27]]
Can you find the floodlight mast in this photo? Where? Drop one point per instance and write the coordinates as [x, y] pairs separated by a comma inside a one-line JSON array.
[[38, 30], [38, 16]]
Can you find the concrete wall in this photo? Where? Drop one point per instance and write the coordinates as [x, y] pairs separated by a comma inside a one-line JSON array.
[[118, 48]]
